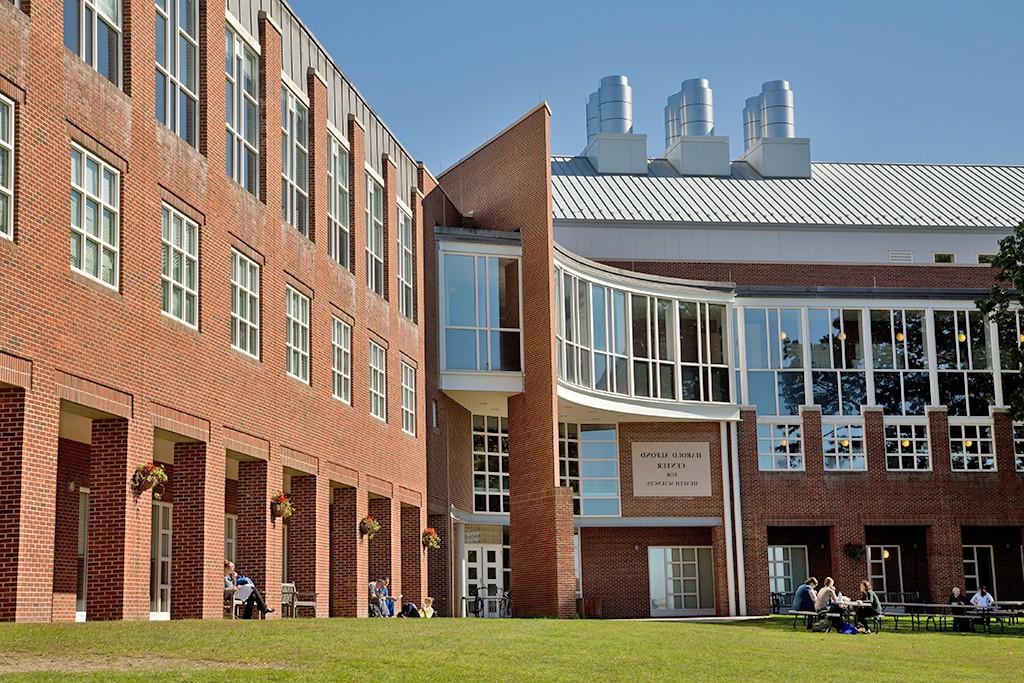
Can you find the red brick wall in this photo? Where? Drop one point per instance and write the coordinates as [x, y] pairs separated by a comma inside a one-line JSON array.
[[349, 555], [12, 419], [380, 544], [72, 466], [440, 565]]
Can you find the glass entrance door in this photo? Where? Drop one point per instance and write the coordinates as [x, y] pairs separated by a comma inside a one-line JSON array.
[[979, 569], [485, 580], [160, 563], [682, 581], [885, 570], [81, 583]]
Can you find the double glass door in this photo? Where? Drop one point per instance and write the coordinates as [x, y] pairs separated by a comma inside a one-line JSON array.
[[81, 582], [485, 579], [682, 581]]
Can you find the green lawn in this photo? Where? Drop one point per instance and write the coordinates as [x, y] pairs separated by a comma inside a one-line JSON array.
[[470, 649]]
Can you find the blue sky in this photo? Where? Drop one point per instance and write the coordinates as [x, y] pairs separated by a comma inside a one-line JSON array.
[[937, 81]]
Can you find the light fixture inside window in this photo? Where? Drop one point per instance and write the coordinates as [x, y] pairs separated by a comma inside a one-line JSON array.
[[845, 443], [968, 443], [900, 336], [784, 443], [1022, 337], [841, 336], [962, 337], [885, 553], [783, 335], [905, 443]]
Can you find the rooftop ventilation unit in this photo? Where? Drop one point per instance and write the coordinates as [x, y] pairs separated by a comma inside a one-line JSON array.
[[777, 119], [751, 122], [691, 145], [612, 147], [769, 132]]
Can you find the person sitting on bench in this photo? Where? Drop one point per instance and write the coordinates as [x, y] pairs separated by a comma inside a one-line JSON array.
[[803, 599]]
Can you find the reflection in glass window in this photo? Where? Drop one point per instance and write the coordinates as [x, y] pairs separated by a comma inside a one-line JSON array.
[[779, 447], [177, 67], [837, 359], [843, 447], [900, 360], [481, 313], [1011, 341], [966, 383], [589, 464], [242, 112], [681, 580], [490, 463], [294, 162], [907, 447], [774, 354], [705, 371], [971, 448], [1018, 446]]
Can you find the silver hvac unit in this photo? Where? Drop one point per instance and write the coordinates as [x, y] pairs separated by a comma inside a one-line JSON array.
[[769, 134]]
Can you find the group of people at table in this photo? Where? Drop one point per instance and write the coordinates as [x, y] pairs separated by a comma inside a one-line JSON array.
[[833, 605], [383, 604]]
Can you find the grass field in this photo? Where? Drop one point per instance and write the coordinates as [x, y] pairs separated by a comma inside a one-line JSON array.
[[470, 649]]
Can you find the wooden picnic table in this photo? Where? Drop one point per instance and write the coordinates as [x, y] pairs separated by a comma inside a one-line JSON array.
[[937, 613]]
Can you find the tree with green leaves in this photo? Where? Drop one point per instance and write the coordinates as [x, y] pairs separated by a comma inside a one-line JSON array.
[[1001, 307]]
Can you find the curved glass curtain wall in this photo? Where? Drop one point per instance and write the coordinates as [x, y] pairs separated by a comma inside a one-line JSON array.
[[645, 346]]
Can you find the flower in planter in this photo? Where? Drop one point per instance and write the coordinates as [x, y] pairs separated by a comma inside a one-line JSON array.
[[149, 476], [855, 551], [430, 538], [368, 526], [281, 506]]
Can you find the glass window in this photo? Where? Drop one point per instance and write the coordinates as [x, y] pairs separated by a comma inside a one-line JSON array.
[[966, 383], [294, 162], [971, 448], [378, 381], [338, 241], [374, 235], [1018, 446], [837, 358], [177, 67], [843, 447], [779, 447], [242, 112], [787, 567], [406, 298], [900, 359], [6, 168], [1011, 340], [490, 463], [92, 30], [231, 538], [341, 342], [775, 378], [705, 370], [179, 274], [681, 580], [297, 333], [481, 313], [245, 304], [408, 399], [95, 218], [907, 447], [588, 458]]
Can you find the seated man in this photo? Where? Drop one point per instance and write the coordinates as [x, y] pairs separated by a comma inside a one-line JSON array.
[[804, 598], [378, 602], [246, 591]]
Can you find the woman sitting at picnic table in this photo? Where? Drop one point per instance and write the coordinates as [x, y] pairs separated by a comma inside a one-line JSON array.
[[956, 600], [872, 609], [827, 601]]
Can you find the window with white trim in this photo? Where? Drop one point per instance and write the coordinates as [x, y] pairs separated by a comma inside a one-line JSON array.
[[962, 351], [242, 99], [408, 399], [294, 161], [92, 30], [787, 567], [374, 235], [779, 447], [490, 463], [6, 168], [907, 447], [341, 342], [297, 333], [245, 304], [775, 361], [337, 203], [231, 538], [1011, 347], [481, 313], [837, 360], [971, 448], [1018, 446], [405, 264], [899, 351], [177, 67], [378, 381], [95, 219], [179, 274], [589, 464], [843, 447]]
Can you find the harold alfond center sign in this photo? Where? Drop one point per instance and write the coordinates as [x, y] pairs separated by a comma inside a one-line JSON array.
[[671, 468]]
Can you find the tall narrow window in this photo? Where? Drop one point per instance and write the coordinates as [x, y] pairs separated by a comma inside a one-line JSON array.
[[242, 109], [92, 30], [378, 381], [408, 399], [481, 313], [341, 340], [297, 334], [95, 219], [1011, 347], [405, 289], [374, 235], [966, 384], [490, 463], [6, 168], [177, 67], [245, 304], [775, 361], [337, 203], [900, 359], [179, 276], [589, 465], [837, 360], [294, 158]]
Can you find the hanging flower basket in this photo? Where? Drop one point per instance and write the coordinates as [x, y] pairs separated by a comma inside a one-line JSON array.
[[854, 551], [149, 476], [281, 507], [430, 538], [368, 527]]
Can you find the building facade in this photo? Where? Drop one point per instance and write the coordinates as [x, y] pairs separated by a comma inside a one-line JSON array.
[[680, 385], [210, 261]]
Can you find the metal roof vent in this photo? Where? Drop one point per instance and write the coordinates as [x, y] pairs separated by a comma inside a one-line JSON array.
[[751, 122], [593, 116], [673, 125], [689, 111], [777, 119], [770, 142]]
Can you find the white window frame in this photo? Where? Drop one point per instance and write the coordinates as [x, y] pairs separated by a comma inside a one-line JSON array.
[[907, 439], [171, 64], [378, 381], [408, 399], [899, 342], [341, 343], [294, 160], [241, 140], [577, 481], [338, 203], [845, 455], [297, 344], [974, 548], [110, 203], [769, 440], [482, 429], [785, 564], [374, 235], [7, 111], [176, 244], [114, 23], [937, 254], [877, 574], [231, 538], [707, 551], [958, 445], [406, 291], [1018, 446], [245, 289]]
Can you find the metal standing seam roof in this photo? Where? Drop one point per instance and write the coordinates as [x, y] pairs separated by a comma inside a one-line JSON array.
[[840, 194]]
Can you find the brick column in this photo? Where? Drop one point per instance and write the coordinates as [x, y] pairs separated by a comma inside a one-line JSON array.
[[319, 157], [441, 564], [945, 560], [847, 571], [349, 554], [270, 96], [197, 534], [259, 537], [380, 546], [309, 539], [390, 173], [755, 533], [357, 203], [1002, 432], [414, 556], [874, 444], [120, 522]]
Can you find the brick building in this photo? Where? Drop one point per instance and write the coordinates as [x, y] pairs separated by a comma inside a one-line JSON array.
[[208, 260], [679, 385]]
